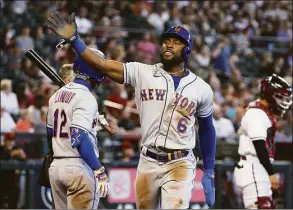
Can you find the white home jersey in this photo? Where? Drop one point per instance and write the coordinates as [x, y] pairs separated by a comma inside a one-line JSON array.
[[72, 105], [167, 116], [254, 126]]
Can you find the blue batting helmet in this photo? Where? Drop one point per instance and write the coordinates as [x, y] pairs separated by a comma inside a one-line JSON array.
[[84, 71], [182, 34]]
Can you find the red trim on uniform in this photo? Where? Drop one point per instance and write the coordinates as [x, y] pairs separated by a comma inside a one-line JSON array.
[[271, 132], [254, 181]]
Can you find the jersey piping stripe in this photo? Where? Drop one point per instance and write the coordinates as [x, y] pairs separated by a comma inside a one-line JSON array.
[[254, 180], [48, 125], [125, 73], [95, 180], [163, 110], [75, 88], [173, 112]]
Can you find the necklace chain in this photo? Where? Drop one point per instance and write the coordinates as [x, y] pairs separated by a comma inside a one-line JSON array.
[[176, 72]]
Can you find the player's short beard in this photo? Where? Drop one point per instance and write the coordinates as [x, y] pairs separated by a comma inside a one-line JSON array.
[[175, 61]]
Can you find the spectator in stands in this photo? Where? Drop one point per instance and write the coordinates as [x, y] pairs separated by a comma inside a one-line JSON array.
[[174, 19], [14, 61], [34, 111], [40, 127], [158, 17], [9, 179], [127, 151], [203, 56], [224, 127], [25, 41], [84, 25], [134, 19], [7, 122], [239, 112], [24, 94], [9, 98], [146, 49], [216, 86], [24, 124], [40, 43], [284, 129], [221, 54]]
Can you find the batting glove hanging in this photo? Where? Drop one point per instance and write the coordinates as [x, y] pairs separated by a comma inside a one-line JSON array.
[[208, 181], [103, 186]]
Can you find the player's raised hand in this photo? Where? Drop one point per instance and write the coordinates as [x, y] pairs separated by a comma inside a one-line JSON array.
[[208, 184], [63, 25]]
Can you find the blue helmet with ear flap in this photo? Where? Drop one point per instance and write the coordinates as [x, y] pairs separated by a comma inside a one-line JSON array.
[[85, 71], [181, 33]]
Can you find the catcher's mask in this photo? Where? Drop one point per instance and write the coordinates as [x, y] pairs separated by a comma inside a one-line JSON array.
[[278, 93]]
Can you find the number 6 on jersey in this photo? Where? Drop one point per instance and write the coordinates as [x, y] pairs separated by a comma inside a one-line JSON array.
[[181, 126]]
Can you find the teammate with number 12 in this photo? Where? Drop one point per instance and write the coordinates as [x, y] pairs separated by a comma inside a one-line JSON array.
[[77, 176], [169, 99]]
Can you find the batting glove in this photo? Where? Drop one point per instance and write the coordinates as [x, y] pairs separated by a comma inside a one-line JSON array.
[[64, 26], [209, 186], [103, 186]]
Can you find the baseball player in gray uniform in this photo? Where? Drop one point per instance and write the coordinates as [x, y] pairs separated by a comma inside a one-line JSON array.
[[67, 75], [77, 177], [169, 99]]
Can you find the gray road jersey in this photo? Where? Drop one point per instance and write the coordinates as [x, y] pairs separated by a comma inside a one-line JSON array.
[[72, 105], [167, 116]]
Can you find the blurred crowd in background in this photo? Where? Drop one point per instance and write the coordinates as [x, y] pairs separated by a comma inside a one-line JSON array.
[[236, 44]]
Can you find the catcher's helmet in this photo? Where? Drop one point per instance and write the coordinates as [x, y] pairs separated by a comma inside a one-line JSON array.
[[182, 34], [84, 71], [278, 93]]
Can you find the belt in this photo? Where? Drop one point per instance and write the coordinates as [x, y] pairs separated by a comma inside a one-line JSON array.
[[242, 157], [61, 157], [167, 157]]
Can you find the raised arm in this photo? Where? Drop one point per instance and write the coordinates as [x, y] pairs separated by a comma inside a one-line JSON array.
[[65, 27], [112, 69]]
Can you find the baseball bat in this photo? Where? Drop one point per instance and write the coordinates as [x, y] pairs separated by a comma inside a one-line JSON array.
[[119, 106], [44, 67]]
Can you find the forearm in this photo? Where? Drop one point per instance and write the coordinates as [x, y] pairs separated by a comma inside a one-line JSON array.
[[94, 60], [80, 139], [112, 69], [263, 155], [207, 139]]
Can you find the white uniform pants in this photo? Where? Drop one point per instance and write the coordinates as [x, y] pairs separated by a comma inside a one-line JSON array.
[[165, 185], [73, 184], [253, 180]]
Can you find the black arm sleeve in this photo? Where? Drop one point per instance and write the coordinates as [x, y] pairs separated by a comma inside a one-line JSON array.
[[263, 155]]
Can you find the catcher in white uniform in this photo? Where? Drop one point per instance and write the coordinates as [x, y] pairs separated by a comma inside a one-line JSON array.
[[254, 173], [76, 174], [169, 99]]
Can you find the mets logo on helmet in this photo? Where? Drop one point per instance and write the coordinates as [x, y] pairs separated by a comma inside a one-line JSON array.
[[178, 29]]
